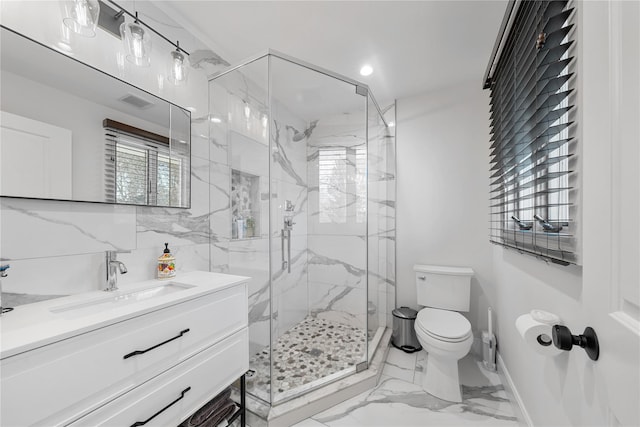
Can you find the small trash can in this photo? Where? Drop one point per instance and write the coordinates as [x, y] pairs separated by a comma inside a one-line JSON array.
[[404, 334]]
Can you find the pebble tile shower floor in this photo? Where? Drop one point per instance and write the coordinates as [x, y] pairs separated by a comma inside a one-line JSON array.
[[313, 349]]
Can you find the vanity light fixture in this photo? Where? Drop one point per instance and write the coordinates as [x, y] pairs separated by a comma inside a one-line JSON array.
[[178, 69], [81, 16], [137, 43]]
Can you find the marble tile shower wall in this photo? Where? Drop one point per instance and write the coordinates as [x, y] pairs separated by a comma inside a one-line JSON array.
[[56, 247], [337, 241]]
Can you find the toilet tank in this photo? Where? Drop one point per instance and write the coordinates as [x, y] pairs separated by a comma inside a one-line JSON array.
[[447, 288]]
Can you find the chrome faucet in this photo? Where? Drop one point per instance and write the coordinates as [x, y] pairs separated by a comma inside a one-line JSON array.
[[112, 274]]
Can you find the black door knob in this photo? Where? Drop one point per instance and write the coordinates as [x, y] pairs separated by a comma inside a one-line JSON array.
[[564, 340]]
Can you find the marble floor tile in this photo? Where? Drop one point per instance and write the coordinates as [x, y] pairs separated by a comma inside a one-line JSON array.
[[400, 365], [397, 401]]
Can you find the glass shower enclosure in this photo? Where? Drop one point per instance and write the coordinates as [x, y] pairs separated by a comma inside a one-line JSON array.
[[310, 216]]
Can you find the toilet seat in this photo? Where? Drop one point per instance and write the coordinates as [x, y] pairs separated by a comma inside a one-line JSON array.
[[443, 325]]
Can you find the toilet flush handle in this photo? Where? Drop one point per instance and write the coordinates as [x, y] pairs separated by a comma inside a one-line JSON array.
[[422, 277]]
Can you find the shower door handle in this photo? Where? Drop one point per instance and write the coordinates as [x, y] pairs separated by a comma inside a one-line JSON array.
[[282, 238], [286, 262], [289, 251]]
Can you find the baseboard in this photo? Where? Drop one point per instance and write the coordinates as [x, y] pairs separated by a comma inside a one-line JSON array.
[[502, 369]]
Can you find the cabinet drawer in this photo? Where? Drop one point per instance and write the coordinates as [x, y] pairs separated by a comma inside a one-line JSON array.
[[194, 382], [58, 383]]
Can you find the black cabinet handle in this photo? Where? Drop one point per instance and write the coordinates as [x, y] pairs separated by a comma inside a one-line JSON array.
[[141, 423], [135, 353]]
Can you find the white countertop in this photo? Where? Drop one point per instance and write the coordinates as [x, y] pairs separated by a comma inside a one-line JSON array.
[[34, 325]]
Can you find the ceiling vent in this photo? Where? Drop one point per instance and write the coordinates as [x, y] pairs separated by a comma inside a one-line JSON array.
[[136, 101]]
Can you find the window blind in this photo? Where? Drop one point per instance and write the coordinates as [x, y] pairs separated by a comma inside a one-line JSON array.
[[139, 169], [533, 177]]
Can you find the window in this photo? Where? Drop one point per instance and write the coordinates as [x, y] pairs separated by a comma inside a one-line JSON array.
[[342, 184], [533, 180], [140, 170]]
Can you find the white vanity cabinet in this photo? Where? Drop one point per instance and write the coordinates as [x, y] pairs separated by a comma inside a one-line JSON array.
[[156, 365]]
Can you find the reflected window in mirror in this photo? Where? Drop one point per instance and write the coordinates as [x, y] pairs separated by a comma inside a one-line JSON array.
[[140, 168]]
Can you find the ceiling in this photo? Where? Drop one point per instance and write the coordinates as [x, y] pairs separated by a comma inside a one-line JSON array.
[[413, 46]]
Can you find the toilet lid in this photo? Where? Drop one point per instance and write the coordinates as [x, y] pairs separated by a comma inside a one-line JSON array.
[[444, 324]]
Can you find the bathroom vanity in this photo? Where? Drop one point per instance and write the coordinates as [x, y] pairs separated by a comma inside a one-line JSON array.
[[148, 354]]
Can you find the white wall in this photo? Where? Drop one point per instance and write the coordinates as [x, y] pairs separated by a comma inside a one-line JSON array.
[[443, 190]]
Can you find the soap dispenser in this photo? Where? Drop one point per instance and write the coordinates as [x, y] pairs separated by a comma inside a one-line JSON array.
[[166, 264]]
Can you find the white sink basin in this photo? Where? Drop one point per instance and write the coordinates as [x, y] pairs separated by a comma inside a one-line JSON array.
[[117, 299]]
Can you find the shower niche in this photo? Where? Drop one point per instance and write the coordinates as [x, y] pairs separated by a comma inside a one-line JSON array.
[[245, 205], [311, 164]]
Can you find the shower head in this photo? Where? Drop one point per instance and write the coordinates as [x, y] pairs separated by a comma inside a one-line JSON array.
[[299, 136]]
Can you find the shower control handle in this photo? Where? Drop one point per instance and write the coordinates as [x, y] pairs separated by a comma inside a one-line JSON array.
[[422, 277]]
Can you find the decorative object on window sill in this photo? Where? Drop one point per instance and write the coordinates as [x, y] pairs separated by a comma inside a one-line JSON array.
[[523, 225], [81, 16], [540, 41], [547, 226]]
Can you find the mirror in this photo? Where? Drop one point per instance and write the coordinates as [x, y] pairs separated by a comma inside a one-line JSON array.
[[72, 132]]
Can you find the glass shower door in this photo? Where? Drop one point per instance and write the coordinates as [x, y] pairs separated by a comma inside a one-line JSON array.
[[318, 221]]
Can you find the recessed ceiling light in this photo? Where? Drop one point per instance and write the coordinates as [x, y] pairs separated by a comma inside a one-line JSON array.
[[366, 70]]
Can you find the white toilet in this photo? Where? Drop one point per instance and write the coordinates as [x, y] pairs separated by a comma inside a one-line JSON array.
[[443, 333]]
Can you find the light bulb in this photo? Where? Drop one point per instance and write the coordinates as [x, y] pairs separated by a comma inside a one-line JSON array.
[[265, 121], [178, 69], [137, 48], [82, 13], [247, 110], [137, 43]]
